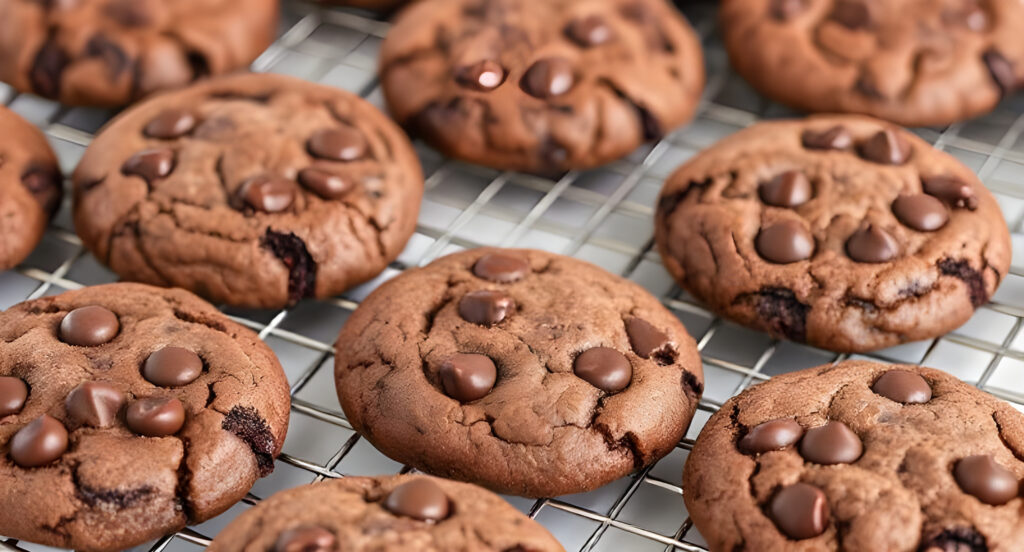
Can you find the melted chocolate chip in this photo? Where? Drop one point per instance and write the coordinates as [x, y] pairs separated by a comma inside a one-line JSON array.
[[111, 54], [45, 183], [306, 539], [268, 193], [155, 416], [294, 255], [40, 442], [772, 435], [604, 368], [503, 268], [467, 377], [785, 242], [343, 143], [170, 124], [886, 147], [325, 184], [800, 511], [871, 244], [1001, 70], [549, 78], [956, 192], [832, 443], [921, 212], [789, 189], [172, 367], [151, 164], [589, 31], [13, 394], [835, 138], [47, 69], [983, 478], [94, 404], [89, 326], [648, 341], [957, 539], [419, 499], [852, 14], [784, 10], [485, 307], [903, 387], [482, 76]]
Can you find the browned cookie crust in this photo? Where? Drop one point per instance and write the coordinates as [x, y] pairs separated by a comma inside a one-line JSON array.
[[112, 488], [112, 52], [541, 85], [592, 377], [358, 514], [252, 190], [925, 462], [913, 62], [888, 240], [31, 187]]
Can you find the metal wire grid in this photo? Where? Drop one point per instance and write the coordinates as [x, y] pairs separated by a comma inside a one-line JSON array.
[[603, 216]]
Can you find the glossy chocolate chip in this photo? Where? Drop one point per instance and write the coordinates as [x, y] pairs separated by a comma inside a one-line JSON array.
[[789, 189], [784, 242], [604, 368], [648, 341], [306, 539], [871, 244], [40, 442], [467, 377], [800, 511], [13, 394], [1001, 70], [549, 78], [172, 367], [268, 193], [589, 31], [903, 387], [324, 183], [921, 212], [342, 143], [94, 404], [956, 192], [151, 164], [974, 17], [482, 76], [834, 138], [769, 436], [503, 268], [886, 147], [485, 307], [832, 443], [983, 478], [170, 124], [852, 14], [155, 416], [784, 10], [419, 499], [89, 326]]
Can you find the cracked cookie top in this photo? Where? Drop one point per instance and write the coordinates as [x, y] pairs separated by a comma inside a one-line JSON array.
[[386, 514], [526, 372], [913, 62], [113, 52], [841, 231], [251, 190], [859, 456], [133, 407], [541, 85], [31, 187]]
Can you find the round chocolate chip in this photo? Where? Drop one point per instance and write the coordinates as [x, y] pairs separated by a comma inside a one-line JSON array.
[[832, 443], [834, 138], [324, 183], [89, 326], [151, 164], [604, 368], [800, 511], [170, 124], [40, 442], [549, 78], [419, 499], [172, 367], [482, 76], [306, 539], [467, 377], [789, 189], [343, 143], [485, 307], [501, 267], [886, 147], [983, 478], [871, 244], [589, 31], [903, 387], [648, 341], [13, 394], [784, 242], [769, 436], [951, 190], [268, 193], [155, 416], [94, 403], [852, 14], [921, 212]]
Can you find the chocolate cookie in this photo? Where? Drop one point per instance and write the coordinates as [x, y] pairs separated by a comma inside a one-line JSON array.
[[128, 411], [541, 85], [523, 371], [31, 187], [860, 456], [112, 52], [842, 232], [913, 62], [391, 513], [251, 190]]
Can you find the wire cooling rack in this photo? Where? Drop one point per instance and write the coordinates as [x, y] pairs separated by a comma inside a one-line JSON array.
[[603, 216]]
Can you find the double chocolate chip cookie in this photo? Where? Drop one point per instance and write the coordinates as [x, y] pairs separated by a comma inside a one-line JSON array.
[[913, 62], [127, 412], [251, 190], [31, 187], [860, 456], [112, 52], [841, 232], [523, 371], [541, 85], [402, 512]]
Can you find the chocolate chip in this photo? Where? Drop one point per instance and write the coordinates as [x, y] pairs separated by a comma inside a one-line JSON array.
[[604, 368], [886, 147], [40, 442], [45, 183], [784, 10], [112, 55], [129, 13], [852, 14], [1001, 70], [832, 443], [835, 138], [268, 193], [589, 31], [769, 436], [291, 250], [324, 183], [800, 511], [343, 143], [172, 367], [485, 307], [785, 242], [155, 416], [983, 478], [94, 403], [483, 76], [89, 326], [956, 539], [648, 341], [47, 69], [170, 124], [789, 189], [419, 499], [549, 78], [13, 394], [871, 244], [306, 539], [503, 268], [956, 192], [467, 377], [921, 212], [903, 387], [151, 164]]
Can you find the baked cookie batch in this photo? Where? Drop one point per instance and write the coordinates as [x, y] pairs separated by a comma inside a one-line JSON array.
[[131, 410]]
